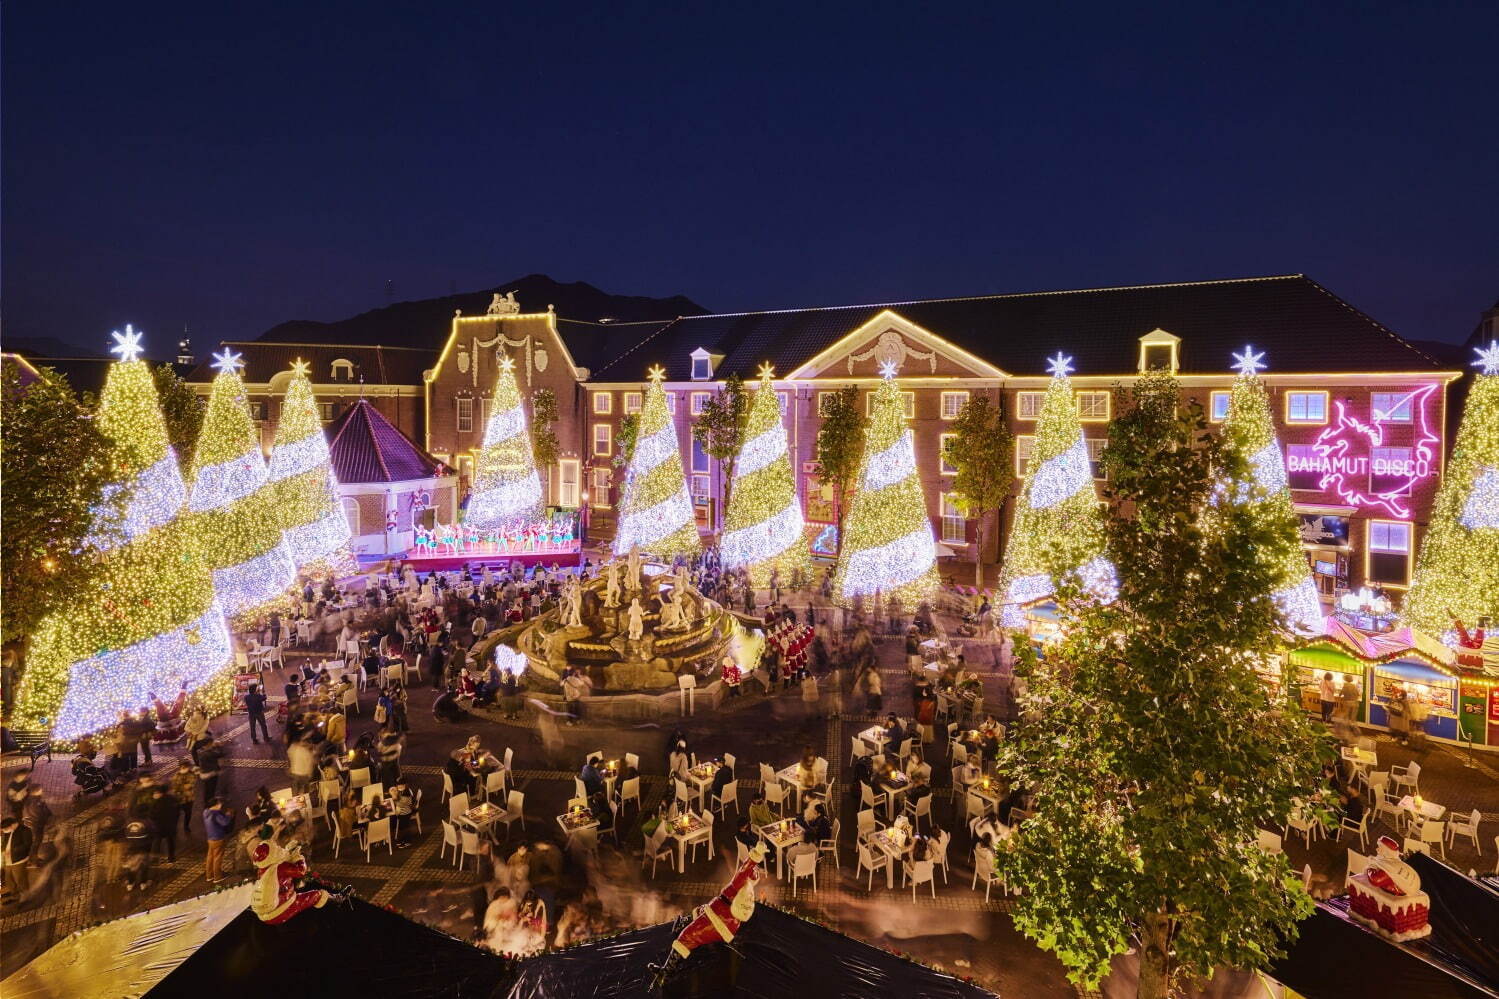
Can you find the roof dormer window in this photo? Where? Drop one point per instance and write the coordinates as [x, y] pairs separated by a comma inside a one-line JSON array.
[[343, 370], [1160, 351], [702, 365]]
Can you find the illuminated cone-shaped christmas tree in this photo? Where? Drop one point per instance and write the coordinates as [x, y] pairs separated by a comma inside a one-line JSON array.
[[1249, 430], [154, 623], [303, 490], [1058, 525], [764, 529], [231, 503], [888, 545], [506, 486], [656, 513], [1457, 570]]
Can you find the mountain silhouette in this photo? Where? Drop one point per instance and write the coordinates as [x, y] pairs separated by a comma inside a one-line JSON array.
[[425, 322]]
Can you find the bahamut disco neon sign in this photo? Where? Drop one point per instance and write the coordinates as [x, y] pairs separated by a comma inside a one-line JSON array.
[[1340, 468]]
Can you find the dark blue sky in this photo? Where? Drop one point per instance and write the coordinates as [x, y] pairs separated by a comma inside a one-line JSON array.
[[229, 166]]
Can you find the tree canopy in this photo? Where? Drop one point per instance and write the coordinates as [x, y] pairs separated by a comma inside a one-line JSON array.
[[840, 446], [981, 448]]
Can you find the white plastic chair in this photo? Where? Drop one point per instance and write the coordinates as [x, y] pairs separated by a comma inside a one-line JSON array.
[[726, 796], [632, 760], [775, 797], [730, 761], [919, 809], [937, 852], [470, 848], [871, 861], [1468, 828], [831, 845], [457, 805], [359, 778], [983, 870], [702, 838], [803, 865], [1306, 825], [868, 799], [919, 872], [414, 670], [687, 690], [1406, 777], [868, 823], [1434, 834], [656, 850], [378, 832], [630, 791], [1357, 863], [494, 782], [858, 750], [1269, 842], [349, 700], [1361, 827], [447, 786], [514, 809]]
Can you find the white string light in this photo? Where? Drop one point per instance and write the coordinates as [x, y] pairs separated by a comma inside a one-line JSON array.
[[887, 566], [297, 457], [1060, 366], [1302, 607], [218, 485], [1061, 476], [1249, 363], [127, 344], [254, 581], [763, 540], [1488, 358], [228, 360], [891, 465], [1481, 508], [319, 539], [156, 496], [648, 526], [760, 452]]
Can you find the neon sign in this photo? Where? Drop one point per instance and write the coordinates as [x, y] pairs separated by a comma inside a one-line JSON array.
[[1335, 466]]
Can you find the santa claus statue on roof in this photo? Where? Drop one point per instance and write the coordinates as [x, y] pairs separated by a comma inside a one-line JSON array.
[[279, 871], [720, 920]]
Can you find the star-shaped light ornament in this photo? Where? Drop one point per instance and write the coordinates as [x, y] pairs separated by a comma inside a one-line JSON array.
[[227, 361], [507, 363], [1488, 358], [127, 344], [887, 369], [657, 374], [1249, 363], [1060, 366], [767, 371], [300, 367]]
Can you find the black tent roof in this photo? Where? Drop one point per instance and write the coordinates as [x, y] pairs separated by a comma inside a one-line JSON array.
[[775, 954]]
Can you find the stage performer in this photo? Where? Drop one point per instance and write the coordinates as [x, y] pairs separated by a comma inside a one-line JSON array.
[[721, 919], [279, 870], [169, 721]]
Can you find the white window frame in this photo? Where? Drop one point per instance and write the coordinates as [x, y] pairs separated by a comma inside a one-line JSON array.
[[350, 507], [344, 364], [603, 445], [942, 465], [603, 404], [700, 485], [696, 401], [823, 400], [633, 403], [463, 420], [598, 488], [783, 399], [1304, 420], [1409, 532], [1405, 531], [1406, 407], [961, 400], [907, 399], [702, 365], [567, 485], [1025, 445], [1022, 401], [1095, 446], [1213, 397], [671, 403], [1093, 395], [954, 524]]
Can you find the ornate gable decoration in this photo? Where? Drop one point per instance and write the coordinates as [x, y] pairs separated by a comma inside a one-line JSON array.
[[891, 350], [890, 339]]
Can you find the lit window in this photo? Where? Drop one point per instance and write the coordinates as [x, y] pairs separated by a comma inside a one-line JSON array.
[[952, 404], [954, 526], [700, 461], [1391, 470], [1095, 446], [598, 489], [325, 411], [1218, 406], [465, 415], [603, 439], [947, 467], [702, 365], [603, 403], [257, 411], [702, 487], [567, 482], [341, 370], [671, 403], [784, 400], [1025, 446], [825, 402], [1028, 405], [1389, 552], [632, 403], [1093, 407], [1391, 407], [1306, 407], [908, 404], [698, 400], [484, 406]]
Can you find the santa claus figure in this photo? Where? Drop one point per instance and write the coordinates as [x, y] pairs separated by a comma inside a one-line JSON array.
[[169, 721], [279, 870], [718, 921], [1470, 644]]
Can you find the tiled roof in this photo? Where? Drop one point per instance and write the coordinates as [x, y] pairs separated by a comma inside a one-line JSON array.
[[377, 365], [596, 345], [1302, 326], [366, 447]]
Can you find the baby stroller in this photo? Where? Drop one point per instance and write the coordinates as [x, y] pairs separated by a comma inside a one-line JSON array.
[[90, 778]]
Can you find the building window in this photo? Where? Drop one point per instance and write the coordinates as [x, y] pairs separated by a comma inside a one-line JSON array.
[[326, 412], [1028, 405], [947, 467], [784, 400], [603, 440], [954, 526], [1093, 407], [824, 401], [1392, 407], [1095, 446], [1391, 470], [952, 404], [484, 409], [696, 403], [341, 370], [702, 365], [598, 489], [603, 403], [465, 415], [1389, 554], [351, 514], [702, 487], [1025, 445], [908, 404], [699, 457], [671, 403], [257, 411], [1218, 405], [1306, 407], [567, 482], [632, 403]]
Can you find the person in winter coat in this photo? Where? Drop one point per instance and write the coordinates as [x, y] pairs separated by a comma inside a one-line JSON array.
[[139, 835], [163, 811]]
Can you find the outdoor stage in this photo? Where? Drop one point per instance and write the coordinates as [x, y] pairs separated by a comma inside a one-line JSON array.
[[422, 562]]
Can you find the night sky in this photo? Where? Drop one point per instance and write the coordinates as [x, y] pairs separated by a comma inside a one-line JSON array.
[[229, 166]]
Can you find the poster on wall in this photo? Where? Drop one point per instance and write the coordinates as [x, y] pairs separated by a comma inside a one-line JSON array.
[[820, 496], [1326, 530]]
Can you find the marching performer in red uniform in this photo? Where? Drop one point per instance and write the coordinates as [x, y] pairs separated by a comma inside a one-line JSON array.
[[720, 920]]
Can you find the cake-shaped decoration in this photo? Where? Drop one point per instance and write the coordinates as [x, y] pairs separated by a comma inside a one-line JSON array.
[[1387, 896]]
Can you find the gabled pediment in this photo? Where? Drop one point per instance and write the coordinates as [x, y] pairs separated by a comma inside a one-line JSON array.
[[890, 338]]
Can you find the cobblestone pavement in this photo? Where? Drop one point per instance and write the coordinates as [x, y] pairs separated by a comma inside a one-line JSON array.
[[957, 930]]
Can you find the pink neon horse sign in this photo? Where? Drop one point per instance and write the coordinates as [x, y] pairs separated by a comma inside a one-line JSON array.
[[1335, 461]]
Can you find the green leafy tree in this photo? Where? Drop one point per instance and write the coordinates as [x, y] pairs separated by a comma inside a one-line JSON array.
[[183, 410], [1153, 748], [629, 432], [981, 448], [840, 448], [544, 428], [719, 428], [55, 464]]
